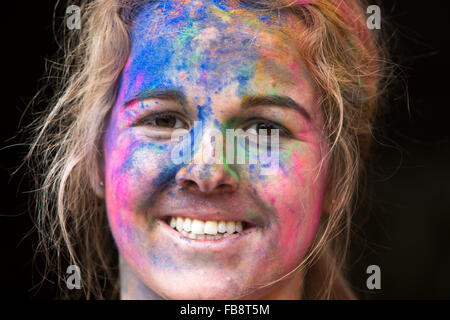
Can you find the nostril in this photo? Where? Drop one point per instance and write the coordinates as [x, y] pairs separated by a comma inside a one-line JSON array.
[[188, 184], [225, 187]]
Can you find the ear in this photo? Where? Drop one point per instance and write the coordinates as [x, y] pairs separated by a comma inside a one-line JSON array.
[[97, 176]]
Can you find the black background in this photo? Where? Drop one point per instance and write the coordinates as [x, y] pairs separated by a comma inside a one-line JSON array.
[[404, 228]]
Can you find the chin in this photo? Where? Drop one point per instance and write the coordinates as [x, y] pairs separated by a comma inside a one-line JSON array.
[[200, 290]]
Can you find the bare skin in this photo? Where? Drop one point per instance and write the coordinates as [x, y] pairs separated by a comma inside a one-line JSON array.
[[214, 59]]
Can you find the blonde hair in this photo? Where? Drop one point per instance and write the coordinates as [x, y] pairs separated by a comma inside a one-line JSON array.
[[345, 59]]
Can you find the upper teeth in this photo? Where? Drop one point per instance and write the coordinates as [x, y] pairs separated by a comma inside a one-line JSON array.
[[200, 227]]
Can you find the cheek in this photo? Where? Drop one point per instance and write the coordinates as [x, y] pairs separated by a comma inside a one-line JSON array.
[[130, 164], [294, 192], [133, 171]]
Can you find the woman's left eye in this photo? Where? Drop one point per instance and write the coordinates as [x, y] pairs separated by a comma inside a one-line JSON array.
[[265, 125]]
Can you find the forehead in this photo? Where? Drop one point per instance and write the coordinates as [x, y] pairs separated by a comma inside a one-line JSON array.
[[175, 18], [179, 43]]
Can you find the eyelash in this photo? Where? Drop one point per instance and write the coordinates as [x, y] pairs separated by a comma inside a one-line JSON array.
[[145, 121], [282, 130]]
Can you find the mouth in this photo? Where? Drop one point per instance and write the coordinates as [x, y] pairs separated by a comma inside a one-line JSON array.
[[206, 229]]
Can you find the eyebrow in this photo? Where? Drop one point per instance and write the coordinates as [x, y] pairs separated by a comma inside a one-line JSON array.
[[248, 101], [157, 93], [274, 100]]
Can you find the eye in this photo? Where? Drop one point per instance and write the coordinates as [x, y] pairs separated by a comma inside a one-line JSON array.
[[258, 125], [164, 120]]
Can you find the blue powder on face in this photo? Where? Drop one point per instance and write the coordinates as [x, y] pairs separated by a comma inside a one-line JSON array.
[[219, 126], [205, 111], [163, 47]]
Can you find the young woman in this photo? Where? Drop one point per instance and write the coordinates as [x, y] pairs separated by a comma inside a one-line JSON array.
[[114, 201]]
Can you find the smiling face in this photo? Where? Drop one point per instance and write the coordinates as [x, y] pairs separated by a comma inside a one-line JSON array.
[[203, 65]]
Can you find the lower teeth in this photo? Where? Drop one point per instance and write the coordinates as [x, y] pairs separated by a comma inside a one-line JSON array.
[[204, 236]]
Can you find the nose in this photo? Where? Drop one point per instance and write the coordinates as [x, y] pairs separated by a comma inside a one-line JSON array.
[[205, 176], [208, 178]]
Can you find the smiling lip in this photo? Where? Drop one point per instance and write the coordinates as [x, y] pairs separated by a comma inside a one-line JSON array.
[[216, 244], [205, 245], [208, 216]]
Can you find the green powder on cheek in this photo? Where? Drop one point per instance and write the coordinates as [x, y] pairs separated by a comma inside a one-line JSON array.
[[251, 213], [286, 152], [151, 222]]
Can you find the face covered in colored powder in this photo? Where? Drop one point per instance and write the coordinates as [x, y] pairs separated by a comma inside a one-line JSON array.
[[203, 66]]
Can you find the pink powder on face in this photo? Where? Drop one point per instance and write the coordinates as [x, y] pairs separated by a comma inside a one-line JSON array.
[[285, 201], [139, 80], [203, 77]]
